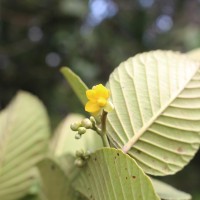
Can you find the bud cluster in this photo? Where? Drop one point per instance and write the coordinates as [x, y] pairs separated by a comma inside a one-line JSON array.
[[81, 127], [81, 157]]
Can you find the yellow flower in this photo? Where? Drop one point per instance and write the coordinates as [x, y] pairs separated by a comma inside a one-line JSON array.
[[98, 99]]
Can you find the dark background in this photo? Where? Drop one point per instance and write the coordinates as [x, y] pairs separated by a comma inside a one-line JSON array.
[[92, 37]]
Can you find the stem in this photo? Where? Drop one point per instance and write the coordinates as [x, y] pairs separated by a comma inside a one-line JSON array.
[[105, 140], [103, 122], [103, 128]]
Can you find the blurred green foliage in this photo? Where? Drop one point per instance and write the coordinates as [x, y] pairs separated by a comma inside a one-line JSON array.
[[92, 37]]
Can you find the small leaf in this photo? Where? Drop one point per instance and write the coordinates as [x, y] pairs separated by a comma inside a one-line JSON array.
[[55, 183], [167, 192], [24, 134], [156, 96], [76, 83], [111, 174], [64, 142]]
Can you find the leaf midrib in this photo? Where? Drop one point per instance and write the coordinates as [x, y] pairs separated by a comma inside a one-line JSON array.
[[136, 137]]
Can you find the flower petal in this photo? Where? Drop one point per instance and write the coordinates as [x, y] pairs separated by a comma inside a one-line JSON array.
[[91, 95], [92, 107], [101, 91], [101, 102]]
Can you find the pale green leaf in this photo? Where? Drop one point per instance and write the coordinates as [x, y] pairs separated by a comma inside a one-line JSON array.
[[64, 142], [56, 185], [156, 120], [112, 175], [76, 83], [194, 54], [167, 192], [24, 134]]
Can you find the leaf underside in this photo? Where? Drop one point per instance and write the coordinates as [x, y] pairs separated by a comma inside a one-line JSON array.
[[24, 133], [157, 110], [111, 174], [194, 54]]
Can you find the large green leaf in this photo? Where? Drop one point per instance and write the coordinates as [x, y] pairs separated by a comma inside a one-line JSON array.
[[111, 174], [56, 185], [167, 192], [24, 133], [157, 110], [76, 83], [64, 142]]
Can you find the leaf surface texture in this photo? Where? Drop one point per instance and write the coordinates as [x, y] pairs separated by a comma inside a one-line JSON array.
[[157, 110]]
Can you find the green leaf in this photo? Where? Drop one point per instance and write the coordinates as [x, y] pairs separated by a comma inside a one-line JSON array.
[[55, 183], [194, 54], [156, 120], [111, 174], [167, 192], [24, 134], [64, 142], [76, 83]]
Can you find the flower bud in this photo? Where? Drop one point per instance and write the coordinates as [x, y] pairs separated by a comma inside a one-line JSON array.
[[79, 153], [87, 155], [77, 136], [81, 130], [75, 126], [92, 119], [86, 123], [79, 162]]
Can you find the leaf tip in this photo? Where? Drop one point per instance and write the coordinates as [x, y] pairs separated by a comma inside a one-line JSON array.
[[64, 68]]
